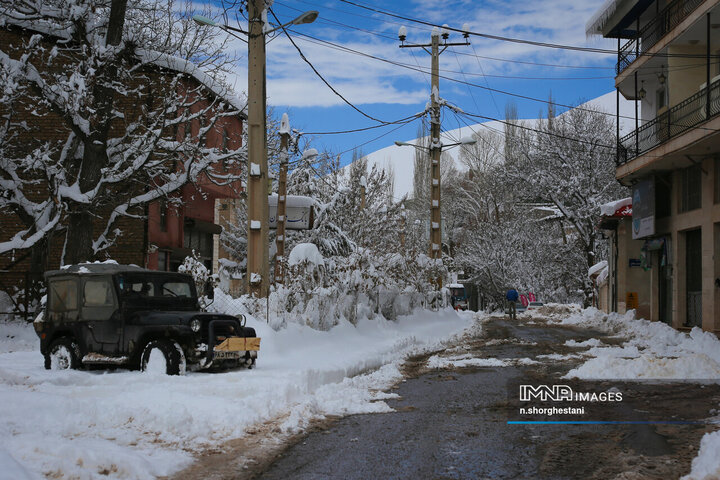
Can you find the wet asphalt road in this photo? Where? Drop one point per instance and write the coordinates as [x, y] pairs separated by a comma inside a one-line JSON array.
[[452, 424]]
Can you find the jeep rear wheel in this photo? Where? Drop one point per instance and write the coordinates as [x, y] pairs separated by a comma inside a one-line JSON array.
[[163, 357], [63, 354]]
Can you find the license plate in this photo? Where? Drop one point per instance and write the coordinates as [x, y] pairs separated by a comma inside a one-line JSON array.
[[225, 355]]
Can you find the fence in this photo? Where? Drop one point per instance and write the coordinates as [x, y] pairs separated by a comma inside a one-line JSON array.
[[20, 294]]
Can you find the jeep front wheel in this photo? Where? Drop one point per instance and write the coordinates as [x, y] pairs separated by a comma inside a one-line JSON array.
[[63, 354], [163, 357]]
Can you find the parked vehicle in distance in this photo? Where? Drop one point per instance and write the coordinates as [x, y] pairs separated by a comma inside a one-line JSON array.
[[534, 305], [458, 297], [124, 315]]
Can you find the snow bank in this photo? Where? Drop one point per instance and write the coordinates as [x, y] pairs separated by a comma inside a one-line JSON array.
[[17, 335], [654, 350], [706, 466], [124, 424], [468, 360]]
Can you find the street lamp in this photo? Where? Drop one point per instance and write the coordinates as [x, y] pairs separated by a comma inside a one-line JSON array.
[[435, 151], [258, 271]]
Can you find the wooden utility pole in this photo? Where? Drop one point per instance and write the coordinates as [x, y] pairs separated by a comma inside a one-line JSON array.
[[282, 202], [435, 144], [258, 214]]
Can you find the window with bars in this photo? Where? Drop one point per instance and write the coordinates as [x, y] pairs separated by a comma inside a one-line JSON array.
[[690, 192]]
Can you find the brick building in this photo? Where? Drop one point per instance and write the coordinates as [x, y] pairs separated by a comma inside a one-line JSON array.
[[161, 233]]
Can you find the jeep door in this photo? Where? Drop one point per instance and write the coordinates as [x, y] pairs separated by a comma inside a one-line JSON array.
[[100, 315]]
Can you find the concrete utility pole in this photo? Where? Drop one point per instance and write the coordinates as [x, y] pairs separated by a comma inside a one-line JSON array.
[[403, 220], [435, 144], [258, 214], [282, 194], [363, 188]]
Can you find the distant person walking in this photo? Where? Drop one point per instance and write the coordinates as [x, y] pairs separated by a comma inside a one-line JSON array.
[[512, 297]]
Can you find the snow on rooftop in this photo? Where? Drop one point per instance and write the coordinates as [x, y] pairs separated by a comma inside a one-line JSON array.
[[292, 201], [621, 207], [597, 22], [185, 66], [597, 267]]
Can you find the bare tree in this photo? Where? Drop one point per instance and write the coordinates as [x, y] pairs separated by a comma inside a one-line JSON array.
[[118, 78]]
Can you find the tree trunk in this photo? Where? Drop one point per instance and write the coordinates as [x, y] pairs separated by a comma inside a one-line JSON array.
[[80, 232]]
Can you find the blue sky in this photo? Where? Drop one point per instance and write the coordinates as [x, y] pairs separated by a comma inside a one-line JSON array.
[[390, 92]]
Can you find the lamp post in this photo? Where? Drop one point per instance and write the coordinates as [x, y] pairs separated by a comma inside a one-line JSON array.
[[258, 270], [435, 213]]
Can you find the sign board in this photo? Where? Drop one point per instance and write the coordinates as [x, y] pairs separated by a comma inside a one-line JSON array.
[[631, 300], [635, 262], [298, 212], [643, 208]]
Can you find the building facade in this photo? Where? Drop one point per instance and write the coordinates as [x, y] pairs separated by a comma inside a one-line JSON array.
[[162, 233], [668, 63]]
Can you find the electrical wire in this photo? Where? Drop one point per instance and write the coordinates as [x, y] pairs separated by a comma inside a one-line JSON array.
[[319, 75], [312, 39], [511, 39]]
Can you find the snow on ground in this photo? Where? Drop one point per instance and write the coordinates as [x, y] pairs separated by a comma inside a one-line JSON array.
[[706, 466], [653, 350], [460, 361], [126, 424]]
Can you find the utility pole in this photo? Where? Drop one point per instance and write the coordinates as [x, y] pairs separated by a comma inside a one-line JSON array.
[[258, 281], [363, 187], [258, 214], [403, 220], [282, 194], [435, 144]]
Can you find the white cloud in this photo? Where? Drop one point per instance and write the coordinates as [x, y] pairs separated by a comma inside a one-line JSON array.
[[367, 81]]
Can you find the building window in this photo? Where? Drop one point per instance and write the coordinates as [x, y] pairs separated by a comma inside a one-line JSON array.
[[163, 215], [690, 189], [717, 180], [663, 192], [201, 242]]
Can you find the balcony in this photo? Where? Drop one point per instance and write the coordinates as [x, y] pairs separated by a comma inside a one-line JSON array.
[[689, 113], [650, 34]]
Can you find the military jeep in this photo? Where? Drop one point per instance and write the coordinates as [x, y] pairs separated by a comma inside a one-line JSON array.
[[120, 315]]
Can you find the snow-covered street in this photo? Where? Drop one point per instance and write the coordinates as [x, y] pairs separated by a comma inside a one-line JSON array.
[[125, 424]]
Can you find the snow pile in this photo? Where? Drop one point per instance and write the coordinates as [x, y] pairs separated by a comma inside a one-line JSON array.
[[305, 252], [17, 336], [654, 350], [591, 342], [706, 465], [126, 424], [461, 361]]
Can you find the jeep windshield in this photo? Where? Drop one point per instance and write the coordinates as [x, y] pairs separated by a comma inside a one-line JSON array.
[[157, 289]]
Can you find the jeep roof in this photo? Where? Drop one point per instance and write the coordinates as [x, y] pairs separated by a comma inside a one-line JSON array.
[[99, 269]]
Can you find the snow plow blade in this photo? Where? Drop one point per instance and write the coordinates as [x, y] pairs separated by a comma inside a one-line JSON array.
[[235, 344]]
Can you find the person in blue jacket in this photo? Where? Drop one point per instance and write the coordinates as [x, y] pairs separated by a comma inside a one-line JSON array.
[[512, 296]]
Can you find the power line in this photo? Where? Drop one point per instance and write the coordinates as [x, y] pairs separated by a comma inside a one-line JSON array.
[[511, 39], [484, 35], [319, 75], [312, 39]]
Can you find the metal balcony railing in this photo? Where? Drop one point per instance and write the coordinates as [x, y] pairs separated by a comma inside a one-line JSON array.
[[649, 35], [671, 123]]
